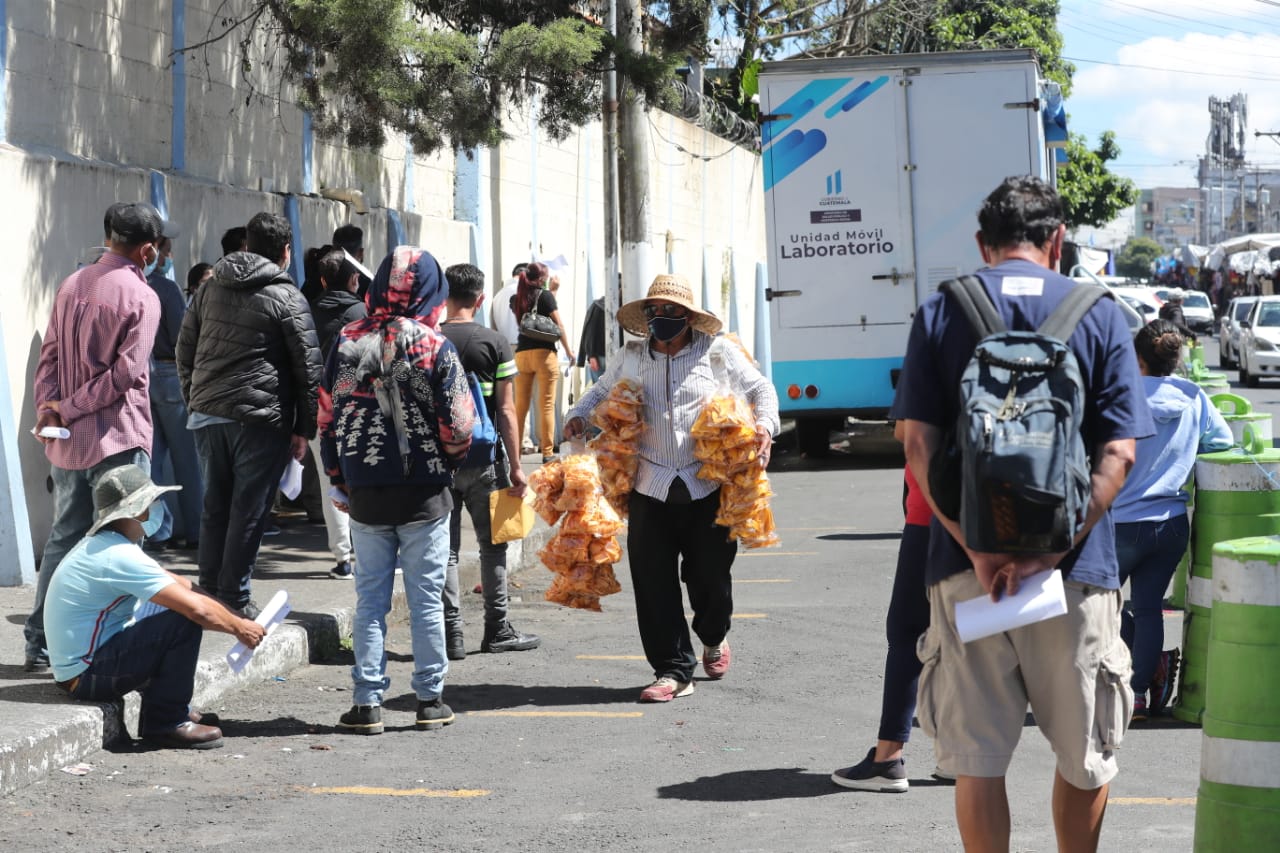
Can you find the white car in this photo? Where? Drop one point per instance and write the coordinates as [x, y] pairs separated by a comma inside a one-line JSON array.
[[1229, 329], [1196, 308], [1260, 341]]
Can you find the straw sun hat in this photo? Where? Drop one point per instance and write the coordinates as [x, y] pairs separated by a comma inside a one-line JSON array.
[[669, 288]]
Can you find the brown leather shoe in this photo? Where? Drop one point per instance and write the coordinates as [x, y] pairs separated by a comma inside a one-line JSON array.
[[187, 735], [207, 718]]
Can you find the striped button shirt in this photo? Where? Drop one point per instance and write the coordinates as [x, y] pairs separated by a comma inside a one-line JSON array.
[[676, 388], [94, 359]]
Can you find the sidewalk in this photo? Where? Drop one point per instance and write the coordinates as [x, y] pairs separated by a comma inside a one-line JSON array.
[[41, 730]]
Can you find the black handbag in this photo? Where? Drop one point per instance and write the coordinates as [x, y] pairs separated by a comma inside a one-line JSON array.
[[539, 327]]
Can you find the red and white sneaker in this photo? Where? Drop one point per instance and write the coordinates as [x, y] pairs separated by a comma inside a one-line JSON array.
[[715, 660], [665, 689]]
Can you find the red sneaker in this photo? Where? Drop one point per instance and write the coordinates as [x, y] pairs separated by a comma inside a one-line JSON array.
[[665, 689], [715, 660]]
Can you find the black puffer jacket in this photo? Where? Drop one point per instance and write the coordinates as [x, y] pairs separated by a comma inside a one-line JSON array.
[[333, 310], [248, 348]]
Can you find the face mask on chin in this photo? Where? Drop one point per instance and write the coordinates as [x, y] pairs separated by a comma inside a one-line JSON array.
[[667, 329]]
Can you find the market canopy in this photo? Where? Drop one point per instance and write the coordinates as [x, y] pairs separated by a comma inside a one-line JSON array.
[[1236, 245]]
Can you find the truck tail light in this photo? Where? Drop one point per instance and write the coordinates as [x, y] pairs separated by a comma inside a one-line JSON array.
[[811, 391], [794, 392]]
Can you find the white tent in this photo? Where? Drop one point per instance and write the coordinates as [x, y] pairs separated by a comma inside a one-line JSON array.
[[1236, 245]]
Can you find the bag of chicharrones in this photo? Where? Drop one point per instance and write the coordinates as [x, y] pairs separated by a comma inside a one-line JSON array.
[[726, 442], [585, 546], [620, 419]]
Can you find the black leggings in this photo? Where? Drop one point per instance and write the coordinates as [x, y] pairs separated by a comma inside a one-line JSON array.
[[908, 618]]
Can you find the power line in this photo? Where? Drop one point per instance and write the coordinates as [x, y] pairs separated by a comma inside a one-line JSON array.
[[1222, 74]]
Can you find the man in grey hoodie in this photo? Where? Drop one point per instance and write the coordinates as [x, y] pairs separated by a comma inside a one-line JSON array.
[[250, 366]]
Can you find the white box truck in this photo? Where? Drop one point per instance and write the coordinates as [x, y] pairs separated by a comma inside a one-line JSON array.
[[874, 170]]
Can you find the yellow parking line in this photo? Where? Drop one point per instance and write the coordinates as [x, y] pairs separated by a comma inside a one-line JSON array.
[[762, 580], [1152, 801], [610, 657], [765, 552], [363, 791], [780, 529], [739, 616], [606, 714]]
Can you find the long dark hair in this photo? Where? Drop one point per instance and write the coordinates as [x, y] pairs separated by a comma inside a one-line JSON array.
[[1159, 344], [532, 280]]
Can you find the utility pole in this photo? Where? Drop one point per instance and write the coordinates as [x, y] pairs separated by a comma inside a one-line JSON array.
[[633, 166], [612, 266]]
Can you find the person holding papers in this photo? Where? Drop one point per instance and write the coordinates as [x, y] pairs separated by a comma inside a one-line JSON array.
[[1074, 669], [1151, 510], [99, 652]]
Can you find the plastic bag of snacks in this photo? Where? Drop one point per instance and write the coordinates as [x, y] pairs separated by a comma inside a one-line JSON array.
[[585, 544], [619, 417], [725, 441]]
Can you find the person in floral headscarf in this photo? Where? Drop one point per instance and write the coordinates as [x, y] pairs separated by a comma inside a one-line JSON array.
[[396, 417]]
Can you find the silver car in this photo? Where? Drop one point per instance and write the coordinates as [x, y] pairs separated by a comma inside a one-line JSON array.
[[1229, 330]]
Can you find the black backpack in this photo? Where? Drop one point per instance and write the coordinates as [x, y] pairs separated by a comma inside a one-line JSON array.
[[1014, 471]]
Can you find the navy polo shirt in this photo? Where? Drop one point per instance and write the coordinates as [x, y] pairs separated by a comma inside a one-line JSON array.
[[1025, 293]]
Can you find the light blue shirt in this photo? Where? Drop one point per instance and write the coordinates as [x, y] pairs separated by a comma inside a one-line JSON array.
[[1186, 424], [92, 596], [676, 389]]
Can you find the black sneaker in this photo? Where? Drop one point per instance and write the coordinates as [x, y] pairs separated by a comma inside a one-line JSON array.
[[342, 571], [886, 777], [432, 715], [39, 663], [505, 638], [362, 720], [454, 646]]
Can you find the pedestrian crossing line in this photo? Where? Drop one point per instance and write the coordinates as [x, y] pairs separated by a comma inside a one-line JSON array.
[[739, 616], [610, 657], [604, 714], [761, 580], [807, 529], [364, 791], [764, 552], [1151, 801]]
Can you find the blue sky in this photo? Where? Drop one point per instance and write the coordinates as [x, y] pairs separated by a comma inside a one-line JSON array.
[[1153, 65]]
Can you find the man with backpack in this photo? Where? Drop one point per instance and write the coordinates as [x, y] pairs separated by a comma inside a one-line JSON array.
[[487, 358], [1006, 396]]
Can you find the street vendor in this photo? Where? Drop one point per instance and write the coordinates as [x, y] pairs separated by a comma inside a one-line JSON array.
[[681, 363]]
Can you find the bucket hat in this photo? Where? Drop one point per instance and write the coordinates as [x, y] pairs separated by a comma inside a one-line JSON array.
[[124, 492]]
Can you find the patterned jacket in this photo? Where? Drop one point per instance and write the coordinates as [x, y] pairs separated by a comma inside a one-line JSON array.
[[395, 407]]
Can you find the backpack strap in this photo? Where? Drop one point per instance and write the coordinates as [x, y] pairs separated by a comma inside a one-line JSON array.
[[973, 301], [1071, 310]]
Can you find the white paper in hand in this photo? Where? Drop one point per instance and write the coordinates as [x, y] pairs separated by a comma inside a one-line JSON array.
[[291, 480], [269, 617], [1038, 598]]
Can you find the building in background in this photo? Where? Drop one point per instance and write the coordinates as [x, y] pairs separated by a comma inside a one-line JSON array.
[[1169, 215]]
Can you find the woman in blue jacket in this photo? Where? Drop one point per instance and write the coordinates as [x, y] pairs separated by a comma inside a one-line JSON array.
[[1150, 513]]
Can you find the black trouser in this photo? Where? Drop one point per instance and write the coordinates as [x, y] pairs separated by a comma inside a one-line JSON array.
[[908, 618], [242, 466], [669, 542]]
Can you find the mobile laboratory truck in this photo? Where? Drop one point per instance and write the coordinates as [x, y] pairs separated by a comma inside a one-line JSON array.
[[874, 170]]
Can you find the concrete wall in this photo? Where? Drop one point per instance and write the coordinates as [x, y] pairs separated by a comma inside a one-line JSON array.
[[90, 112]]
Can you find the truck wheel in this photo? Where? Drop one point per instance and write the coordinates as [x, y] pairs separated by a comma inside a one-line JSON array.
[[813, 436]]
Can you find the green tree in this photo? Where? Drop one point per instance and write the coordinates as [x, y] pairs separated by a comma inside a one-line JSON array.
[[1137, 257], [1092, 195], [445, 72]]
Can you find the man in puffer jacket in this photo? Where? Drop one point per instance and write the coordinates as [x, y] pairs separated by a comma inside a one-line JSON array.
[[249, 365], [396, 417]]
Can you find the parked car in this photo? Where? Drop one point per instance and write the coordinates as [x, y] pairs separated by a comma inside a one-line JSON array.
[[1134, 318], [1196, 308], [1229, 329], [1260, 341]]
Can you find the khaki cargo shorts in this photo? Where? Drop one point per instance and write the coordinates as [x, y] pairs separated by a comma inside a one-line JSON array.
[[1073, 670]]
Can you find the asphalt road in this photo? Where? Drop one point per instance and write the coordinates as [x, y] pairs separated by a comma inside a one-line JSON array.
[[551, 751]]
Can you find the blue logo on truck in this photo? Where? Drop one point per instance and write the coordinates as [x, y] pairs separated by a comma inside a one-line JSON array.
[[789, 151]]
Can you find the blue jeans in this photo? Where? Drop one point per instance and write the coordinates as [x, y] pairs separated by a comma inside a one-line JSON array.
[[173, 452], [472, 486], [908, 618], [423, 548], [156, 656], [72, 518], [1148, 553]]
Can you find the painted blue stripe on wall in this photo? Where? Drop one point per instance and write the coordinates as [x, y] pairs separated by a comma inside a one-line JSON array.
[[843, 383], [395, 230], [408, 175], [293, 214], [308, 145], [4, 65], [178, 133]]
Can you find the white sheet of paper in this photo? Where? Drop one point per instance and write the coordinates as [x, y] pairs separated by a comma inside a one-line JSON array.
[[291, 480], [1039, 597], [270, 616]]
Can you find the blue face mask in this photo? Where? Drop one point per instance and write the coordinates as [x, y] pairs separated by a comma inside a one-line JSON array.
[[151, 267], [167, 269], [667, 328], [152, 525]]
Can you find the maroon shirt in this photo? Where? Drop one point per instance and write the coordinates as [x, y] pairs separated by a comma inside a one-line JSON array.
[[95, 359]]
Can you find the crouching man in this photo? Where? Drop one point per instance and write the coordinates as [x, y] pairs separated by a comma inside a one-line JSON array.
[[99, 653]]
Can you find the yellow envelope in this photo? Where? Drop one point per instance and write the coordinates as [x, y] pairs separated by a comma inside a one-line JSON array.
[[511, 518]]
